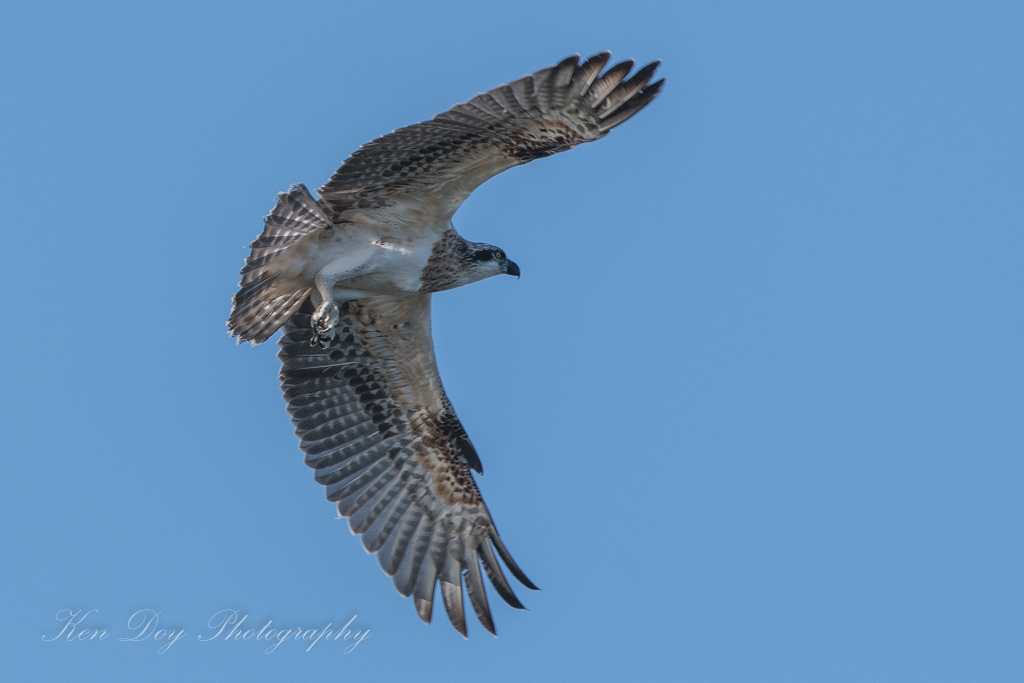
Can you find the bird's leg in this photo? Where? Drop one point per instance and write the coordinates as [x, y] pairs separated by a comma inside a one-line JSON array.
[[327, 315]]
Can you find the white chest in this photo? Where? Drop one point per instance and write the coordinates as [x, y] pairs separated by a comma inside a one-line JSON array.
[[361, 265], [397, 266]]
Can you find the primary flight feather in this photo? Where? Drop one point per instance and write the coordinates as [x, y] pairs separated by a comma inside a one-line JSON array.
[[349, 276]]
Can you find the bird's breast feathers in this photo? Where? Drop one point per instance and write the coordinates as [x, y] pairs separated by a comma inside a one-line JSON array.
[[391, 261]]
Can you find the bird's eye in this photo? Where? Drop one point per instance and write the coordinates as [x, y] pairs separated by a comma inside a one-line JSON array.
[[499, 255]]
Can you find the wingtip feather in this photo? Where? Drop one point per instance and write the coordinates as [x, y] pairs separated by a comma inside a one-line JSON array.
[[497, 577], [509, 562], [477, 592], [451, 593]]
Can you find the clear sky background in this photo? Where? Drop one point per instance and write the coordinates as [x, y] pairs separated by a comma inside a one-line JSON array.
[[752, 413]]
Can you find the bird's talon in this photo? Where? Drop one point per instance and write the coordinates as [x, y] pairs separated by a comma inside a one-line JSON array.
[[324, 322]]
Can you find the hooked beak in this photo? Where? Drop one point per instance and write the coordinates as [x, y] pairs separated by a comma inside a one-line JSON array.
[[511, 268]]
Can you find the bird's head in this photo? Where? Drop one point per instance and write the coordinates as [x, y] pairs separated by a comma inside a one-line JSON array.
[[480, 261], [456, 262]]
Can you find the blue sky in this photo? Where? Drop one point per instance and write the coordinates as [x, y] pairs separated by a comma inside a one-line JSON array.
[[752, 413]]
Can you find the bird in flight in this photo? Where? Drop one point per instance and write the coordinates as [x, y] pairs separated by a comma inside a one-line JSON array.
[[349, 277]]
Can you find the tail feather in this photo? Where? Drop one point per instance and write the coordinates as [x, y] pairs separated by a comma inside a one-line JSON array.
[[262, 317], [262, 305]]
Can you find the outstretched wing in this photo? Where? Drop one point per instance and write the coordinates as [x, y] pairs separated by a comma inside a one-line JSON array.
[[384, 440], [438, 163]]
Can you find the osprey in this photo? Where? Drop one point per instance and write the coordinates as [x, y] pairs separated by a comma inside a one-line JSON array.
[[349, 277]]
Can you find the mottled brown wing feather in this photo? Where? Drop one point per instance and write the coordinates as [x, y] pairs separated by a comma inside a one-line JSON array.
[[443, 160], [375, 424]]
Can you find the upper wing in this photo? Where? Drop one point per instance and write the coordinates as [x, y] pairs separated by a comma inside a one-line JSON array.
[[438, 163], [378, 429]]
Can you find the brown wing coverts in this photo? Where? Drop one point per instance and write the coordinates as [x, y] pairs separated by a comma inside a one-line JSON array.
[[259, 307], [398, 472], [549, 111]]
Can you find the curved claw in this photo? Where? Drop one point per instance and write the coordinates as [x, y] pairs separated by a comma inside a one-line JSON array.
[[324, 322]]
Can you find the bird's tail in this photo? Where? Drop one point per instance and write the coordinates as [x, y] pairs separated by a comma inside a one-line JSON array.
[[263, 302]]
